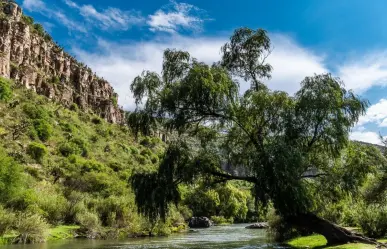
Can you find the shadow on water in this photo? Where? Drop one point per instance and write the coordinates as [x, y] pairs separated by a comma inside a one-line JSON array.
[[224, 237]]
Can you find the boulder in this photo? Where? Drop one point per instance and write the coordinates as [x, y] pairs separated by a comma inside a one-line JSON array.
[[200, 222], [259, 225]]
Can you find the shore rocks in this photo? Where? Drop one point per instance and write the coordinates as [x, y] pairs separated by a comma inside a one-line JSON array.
[[259, 225], [200, 222]]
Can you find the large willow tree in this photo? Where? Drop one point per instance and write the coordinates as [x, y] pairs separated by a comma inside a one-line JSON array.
[[283, 143]]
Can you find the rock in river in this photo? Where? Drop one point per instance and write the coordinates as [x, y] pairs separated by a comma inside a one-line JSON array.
[[259, 225], [200, 222]]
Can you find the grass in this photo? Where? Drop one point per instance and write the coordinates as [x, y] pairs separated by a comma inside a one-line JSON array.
[[319, 242], [62, 232]]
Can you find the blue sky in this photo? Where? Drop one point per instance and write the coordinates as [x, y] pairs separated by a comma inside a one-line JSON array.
[[118, 39]]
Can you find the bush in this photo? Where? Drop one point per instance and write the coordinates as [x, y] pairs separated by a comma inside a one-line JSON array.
[[5, 89], [220, 220], [39, 29], [35, 111], [28, 20], [43, 129], [372, 220], [75, 146], [96, 120], [7, 219], [53, 205], [88, 221], [74, 107], [11, 177], [32, 228], [37, 151]]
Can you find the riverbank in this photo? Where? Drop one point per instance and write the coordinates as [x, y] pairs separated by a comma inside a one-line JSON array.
[[319, 242], [55, 233]]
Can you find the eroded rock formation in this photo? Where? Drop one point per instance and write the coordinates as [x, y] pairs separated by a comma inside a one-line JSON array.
[[39, 64]]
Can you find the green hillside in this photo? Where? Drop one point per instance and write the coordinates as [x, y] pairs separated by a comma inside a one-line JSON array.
[[66, 169], [63, 166]]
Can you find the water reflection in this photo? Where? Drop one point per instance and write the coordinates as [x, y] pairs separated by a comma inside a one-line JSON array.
[[226, 237]]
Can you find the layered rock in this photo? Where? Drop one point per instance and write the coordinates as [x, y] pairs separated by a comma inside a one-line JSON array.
[[39, 64]]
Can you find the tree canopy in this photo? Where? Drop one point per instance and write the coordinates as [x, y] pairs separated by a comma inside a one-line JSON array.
[[283, 143]]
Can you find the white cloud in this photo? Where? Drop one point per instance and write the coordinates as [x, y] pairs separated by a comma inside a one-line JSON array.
[[176, 16], [120, 63], [364, 72], [109, 18], [291, 64], [34, 5], [366, 136], [376, 113], [40, 7]]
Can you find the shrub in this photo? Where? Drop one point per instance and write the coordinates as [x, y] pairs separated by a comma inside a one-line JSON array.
[[39, 29], [5, 89], [75, 146], [88, 221], [372, 220], [32, 228], [37, 151], [28, 20], [43, 129], [7, 219], [74, 107], [220, 220], [52, 205], [11, 177], [35, 111], [55, 80], [96, 120]]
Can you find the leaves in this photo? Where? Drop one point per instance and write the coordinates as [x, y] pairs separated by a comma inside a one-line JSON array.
[[274, 138]]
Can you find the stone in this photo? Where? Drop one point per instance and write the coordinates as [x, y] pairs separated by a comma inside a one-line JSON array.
[[42, 66], [259, 225], [200, 222]]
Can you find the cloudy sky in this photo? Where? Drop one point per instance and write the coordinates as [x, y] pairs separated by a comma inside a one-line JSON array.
[[118, 39]]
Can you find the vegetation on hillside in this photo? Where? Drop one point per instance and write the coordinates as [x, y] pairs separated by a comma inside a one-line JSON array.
[[61, 166]]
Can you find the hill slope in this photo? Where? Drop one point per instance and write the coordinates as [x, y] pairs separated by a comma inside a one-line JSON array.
[[69, 166]]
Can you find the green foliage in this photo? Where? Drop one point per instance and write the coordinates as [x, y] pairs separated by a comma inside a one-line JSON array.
[[11, 178], [39, 29], [287, 146], [7, 219], [34, 111], [114, 101], [43, 129], [55, 80], [220, 220], [5, 89], [28, 19], [37, 151], [76, 146], [372, 220], [31, 228], [89, 221]]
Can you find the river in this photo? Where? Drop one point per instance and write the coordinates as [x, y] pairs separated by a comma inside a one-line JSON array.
[[221, 237]]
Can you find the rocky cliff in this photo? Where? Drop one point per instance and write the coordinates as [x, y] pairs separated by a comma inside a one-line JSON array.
[[35, 61]]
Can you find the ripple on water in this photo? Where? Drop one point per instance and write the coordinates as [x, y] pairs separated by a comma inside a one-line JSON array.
[[224, 237]]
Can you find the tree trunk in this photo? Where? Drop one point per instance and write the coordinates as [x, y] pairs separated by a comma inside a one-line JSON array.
[[334, 234]]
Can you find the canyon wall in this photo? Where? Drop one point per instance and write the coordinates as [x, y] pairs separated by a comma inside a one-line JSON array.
[[36, 62]]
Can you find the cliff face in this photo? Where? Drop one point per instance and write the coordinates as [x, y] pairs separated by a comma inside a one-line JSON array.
[[41, 65]]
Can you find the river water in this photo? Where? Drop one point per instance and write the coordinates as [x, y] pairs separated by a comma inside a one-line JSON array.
[[221, 237]]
